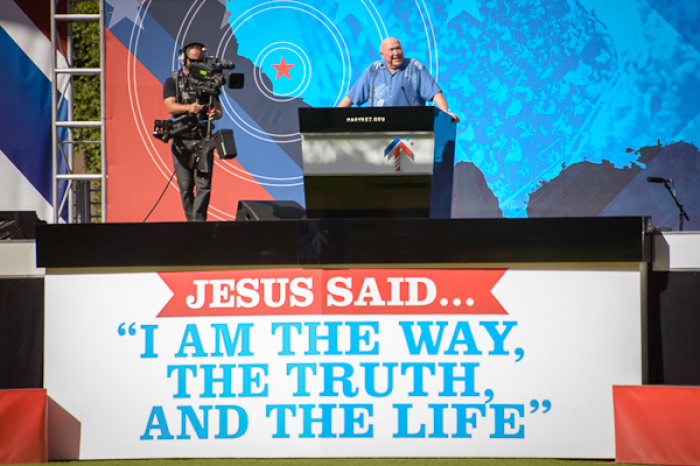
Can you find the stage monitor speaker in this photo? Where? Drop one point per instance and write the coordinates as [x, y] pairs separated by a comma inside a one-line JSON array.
[[269, 210], [18, 225]]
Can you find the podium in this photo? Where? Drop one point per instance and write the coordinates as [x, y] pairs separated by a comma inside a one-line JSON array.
[[377, 162]]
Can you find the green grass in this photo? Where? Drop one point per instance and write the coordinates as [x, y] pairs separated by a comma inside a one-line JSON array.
[[339, 462]]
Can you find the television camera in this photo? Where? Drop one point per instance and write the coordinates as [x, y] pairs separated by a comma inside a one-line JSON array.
[[207, 78]]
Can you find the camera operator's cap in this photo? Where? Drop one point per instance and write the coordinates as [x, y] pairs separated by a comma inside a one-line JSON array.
[[183, 50]]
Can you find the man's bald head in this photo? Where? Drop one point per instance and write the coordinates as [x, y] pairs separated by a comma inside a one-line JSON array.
[[392, 53]]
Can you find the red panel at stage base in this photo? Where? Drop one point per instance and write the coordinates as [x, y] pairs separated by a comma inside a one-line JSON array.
[[657, 425], [23, 426]]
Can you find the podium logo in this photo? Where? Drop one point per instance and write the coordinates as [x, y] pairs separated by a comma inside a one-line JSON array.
[[394, 150]]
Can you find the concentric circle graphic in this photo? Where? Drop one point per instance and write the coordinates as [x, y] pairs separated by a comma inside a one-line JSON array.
[[260, 63], [317, 15], [319, 19]]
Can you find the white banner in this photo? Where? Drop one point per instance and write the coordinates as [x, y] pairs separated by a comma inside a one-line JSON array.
[[377, 378]]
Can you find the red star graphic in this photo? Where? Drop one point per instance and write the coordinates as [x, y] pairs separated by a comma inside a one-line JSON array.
[[283, 69]]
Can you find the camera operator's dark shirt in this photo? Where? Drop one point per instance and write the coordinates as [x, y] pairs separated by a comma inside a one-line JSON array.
[[170, 90]]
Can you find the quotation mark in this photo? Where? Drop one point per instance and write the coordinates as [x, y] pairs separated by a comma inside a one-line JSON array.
[[546, 404], [122, 331]]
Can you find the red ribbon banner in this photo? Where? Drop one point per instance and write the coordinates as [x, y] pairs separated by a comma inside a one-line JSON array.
[[315, 291]]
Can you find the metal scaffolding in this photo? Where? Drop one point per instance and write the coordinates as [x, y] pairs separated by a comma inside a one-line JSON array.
[[63, 124]]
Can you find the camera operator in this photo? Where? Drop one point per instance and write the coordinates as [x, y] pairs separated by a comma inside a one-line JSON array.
[[192, 157]]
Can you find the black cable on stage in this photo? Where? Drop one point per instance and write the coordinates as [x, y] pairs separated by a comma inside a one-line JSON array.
[[161, 197]]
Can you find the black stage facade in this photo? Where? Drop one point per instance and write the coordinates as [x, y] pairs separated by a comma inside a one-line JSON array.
[[345, 242]]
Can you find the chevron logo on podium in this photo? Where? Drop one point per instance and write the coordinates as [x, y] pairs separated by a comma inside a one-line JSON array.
[[395, 149]]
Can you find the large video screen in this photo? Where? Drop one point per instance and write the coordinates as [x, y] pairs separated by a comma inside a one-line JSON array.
[[566, 107]]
